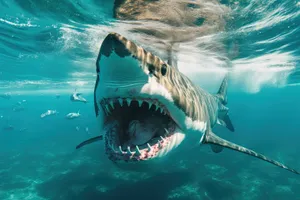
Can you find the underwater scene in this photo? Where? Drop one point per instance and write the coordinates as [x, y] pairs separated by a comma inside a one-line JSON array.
[[149, 99]]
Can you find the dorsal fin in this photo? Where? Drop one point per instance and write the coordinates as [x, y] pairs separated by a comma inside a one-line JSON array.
[[223, 117], [222, 93]]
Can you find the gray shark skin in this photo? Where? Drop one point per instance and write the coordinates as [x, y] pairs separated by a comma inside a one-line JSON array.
[[133, 84]]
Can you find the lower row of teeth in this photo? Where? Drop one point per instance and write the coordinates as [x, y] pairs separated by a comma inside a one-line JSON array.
[[137, 149]]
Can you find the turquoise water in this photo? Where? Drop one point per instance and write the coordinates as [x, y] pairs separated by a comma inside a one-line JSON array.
[[49, 48]]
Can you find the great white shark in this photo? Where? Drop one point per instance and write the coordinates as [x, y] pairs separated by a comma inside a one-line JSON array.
[[135, 91]]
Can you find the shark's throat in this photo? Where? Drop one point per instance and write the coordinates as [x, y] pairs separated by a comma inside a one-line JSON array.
[[137, 129]]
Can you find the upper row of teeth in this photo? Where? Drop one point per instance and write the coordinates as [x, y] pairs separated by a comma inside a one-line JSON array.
[[128, 100]]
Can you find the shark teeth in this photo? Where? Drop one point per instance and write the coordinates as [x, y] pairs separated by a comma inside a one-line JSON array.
[[128, 150], [156, 107], [120, 101], [149, 147], [140, 103], [120, 149], [167, 131], [128, 102], [149, 105], [163, 139], [107, 110], [138, 151], [109, 105], [112, 104]]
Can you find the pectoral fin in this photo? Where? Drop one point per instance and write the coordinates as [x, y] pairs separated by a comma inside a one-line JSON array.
[[224, 119], [89, 141], [226, 122], [210, 138]]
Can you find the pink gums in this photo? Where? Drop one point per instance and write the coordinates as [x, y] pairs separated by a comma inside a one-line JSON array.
[[145, 154]]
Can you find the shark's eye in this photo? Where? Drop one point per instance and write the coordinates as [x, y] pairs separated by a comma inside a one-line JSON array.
[[164, 69]]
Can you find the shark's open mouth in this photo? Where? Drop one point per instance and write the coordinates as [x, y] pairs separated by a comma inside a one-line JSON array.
[[136, 129]]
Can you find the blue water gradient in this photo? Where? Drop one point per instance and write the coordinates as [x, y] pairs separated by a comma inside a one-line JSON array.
[[49, 48]]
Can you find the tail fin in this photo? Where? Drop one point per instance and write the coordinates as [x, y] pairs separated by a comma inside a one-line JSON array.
[[210, 138], [223, 117]]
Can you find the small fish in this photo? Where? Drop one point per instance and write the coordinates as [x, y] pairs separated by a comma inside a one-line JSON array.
[[77, 128], [73, 115], [48, 113], [77, 97], [8, 128], [6, 95]]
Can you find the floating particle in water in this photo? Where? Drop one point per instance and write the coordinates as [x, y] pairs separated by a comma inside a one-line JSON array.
[[21, 102], [48, 113], [87, 130], [73, 115], [23, 129], [77, 128], [18, 108]]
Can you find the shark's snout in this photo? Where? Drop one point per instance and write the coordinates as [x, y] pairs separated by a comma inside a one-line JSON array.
[[120, 69]]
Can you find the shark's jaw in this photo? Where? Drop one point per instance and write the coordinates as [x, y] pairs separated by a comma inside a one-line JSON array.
[[159, 134], [136, 112]]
